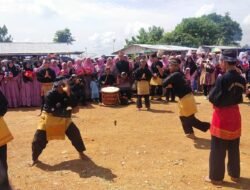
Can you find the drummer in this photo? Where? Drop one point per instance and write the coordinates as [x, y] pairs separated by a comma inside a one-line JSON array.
[[143, 76], [107, 79]]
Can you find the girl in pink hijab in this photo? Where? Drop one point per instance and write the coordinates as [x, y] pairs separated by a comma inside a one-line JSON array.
[[165, 61], [110, 64], [88, 66], [71, 68], [78, 67], [89, 70], [100, 67], [12, 85], [55, 67], [65, 70]]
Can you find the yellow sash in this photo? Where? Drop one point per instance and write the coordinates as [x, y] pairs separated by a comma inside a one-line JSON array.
[[155, 81], [45, 88], [187, 105], [5, 135], [143, 87], [55, 127]]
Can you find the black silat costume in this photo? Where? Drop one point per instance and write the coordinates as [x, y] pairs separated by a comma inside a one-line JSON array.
[[184, 92], [77, 90], [4, 180], [56, 105], [46, 81], [107, 80], [226, 125], [169, 91], [156, 89], [138, 76], [122, 66], [41, 75]]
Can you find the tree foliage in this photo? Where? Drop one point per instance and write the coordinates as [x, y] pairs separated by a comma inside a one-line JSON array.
[[63, 36], [212, 29], [230, 31], [151, 36], [4, 36]]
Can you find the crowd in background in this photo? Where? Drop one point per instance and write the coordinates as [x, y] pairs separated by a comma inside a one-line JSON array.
[[20, 85]]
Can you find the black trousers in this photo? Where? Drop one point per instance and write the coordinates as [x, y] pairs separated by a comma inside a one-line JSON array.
[[189, 122], [170, 93], [4, 180], [139, 101], [126, 92], [219, 147], [156, 90], [40, 141], [206, 89]]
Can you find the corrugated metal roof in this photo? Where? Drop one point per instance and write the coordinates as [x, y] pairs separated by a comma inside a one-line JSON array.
[[19, 48], [158, 47], [166, 47], [222, 47]]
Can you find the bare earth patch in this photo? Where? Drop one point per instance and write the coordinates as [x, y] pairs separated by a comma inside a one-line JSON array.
[[143, 151]]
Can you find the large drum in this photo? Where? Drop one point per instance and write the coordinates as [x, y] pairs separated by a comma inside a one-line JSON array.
[[110, 96]]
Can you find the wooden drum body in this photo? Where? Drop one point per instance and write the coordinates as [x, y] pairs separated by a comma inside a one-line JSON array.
[[110, 96]]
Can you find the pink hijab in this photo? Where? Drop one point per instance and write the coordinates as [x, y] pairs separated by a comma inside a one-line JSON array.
[[165, 61], [88, 66], [100, 67], [110, 63], [64, 70], [55, 67], [78, 67]]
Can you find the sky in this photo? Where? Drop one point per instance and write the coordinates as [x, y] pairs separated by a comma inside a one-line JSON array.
[[100, 27]]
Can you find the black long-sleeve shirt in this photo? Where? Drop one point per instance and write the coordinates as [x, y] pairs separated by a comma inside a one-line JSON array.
[[179, 84], [41, 75], [3, 104], [57, 103], [122, 66], [107, 80], [139, 73], [228, 90], [155, 69]]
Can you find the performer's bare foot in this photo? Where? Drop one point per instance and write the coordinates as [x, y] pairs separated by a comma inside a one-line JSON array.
[[82, 156], [138, 109], [191, 136], [148, 109], [235, 179], [214, 182]]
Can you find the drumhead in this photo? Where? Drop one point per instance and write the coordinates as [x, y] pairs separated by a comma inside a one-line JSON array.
[[110, 89]]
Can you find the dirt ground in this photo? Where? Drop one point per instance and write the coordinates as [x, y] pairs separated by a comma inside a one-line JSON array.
[[144, 151]]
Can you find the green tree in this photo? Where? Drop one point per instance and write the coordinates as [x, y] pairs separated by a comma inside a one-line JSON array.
[[180, 39], [153, 35], [230, 32], [212, 29], [63, 36], [193, 32], [4, 37]]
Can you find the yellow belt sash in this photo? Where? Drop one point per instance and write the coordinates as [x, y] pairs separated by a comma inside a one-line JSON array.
[[187, 105], [143, 87], [55, 127], [5, 135], [45, 88], [156, 81]]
